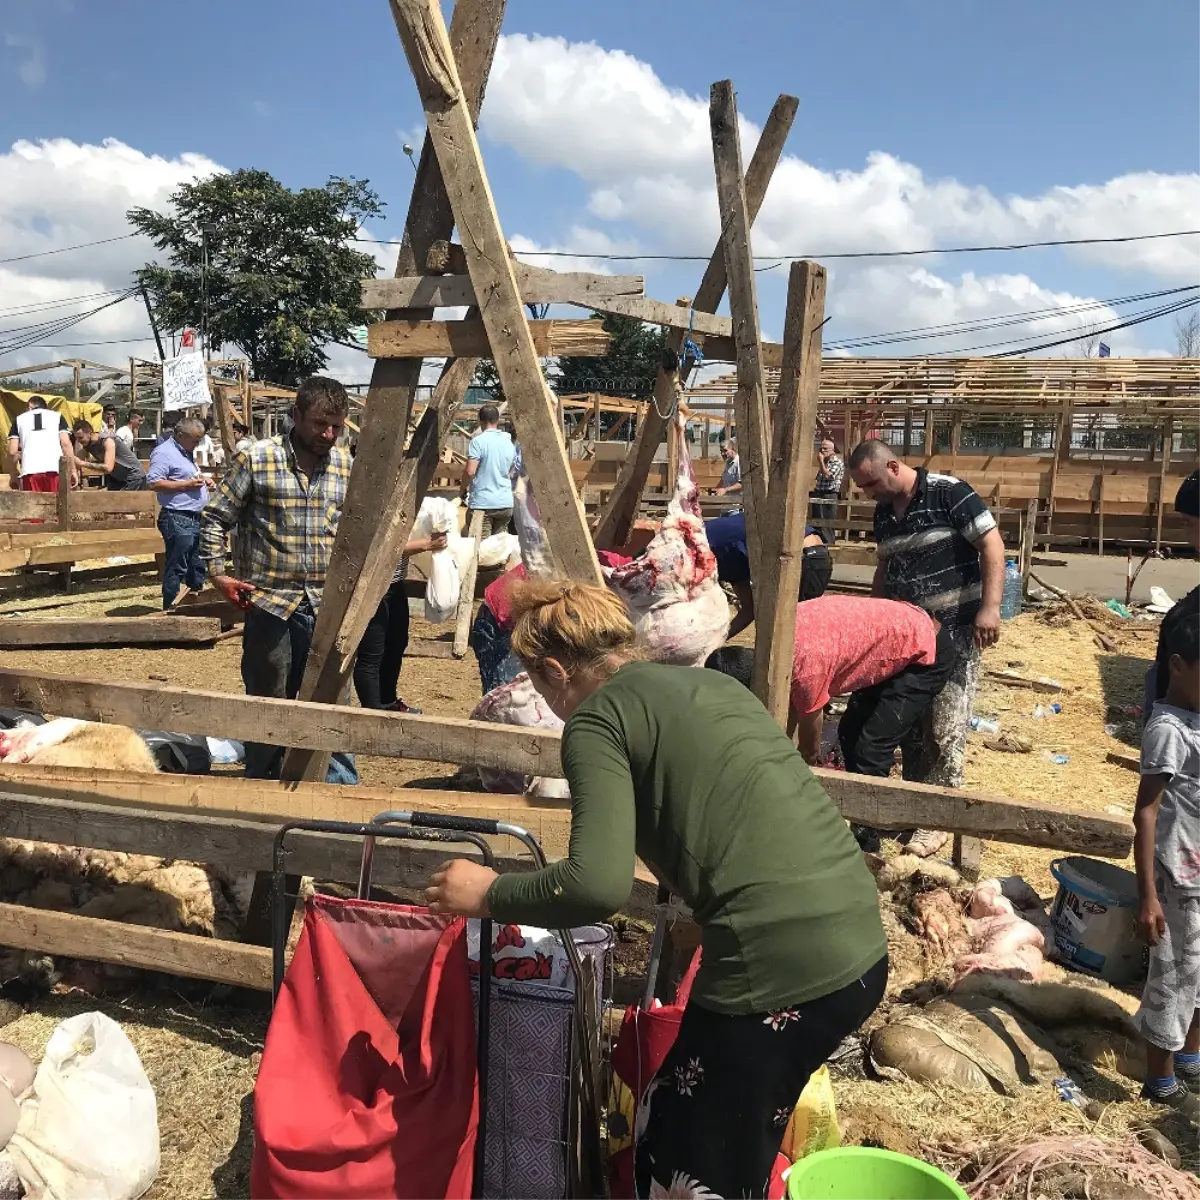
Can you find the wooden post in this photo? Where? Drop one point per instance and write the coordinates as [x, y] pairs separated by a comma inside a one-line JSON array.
[[75, 379], [1100, 507], [62, 501], [707, 451], [466, 598], [599, 435], [1028, 533], [247, 405], [1168, 439], [930, 444], [223, 406], [387, 479], [955, 441], [133, 393], [613, 527], [1062, 452], [452, 133], [750, 401], [777, 585], [907, 429]]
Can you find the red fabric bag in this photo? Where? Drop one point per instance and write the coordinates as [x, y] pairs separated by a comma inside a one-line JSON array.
[[367, 1086]]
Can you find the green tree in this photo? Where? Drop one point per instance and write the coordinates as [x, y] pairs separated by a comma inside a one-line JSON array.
[[280, 280], [628, 369]]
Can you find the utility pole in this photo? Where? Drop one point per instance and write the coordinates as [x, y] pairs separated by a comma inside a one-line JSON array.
[[153, 323]]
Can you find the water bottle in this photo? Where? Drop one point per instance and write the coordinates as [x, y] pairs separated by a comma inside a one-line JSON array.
[[985, 725], [1010, 598], [1059, 760], [1042, 711]]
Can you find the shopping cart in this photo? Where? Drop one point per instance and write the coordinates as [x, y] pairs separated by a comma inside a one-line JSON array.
[[570, 1018]]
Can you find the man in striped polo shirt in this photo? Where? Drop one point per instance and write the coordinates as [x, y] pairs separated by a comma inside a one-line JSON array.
[[938, 548]]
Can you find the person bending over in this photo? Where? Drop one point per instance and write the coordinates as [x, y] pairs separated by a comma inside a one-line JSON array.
[[685, 770]]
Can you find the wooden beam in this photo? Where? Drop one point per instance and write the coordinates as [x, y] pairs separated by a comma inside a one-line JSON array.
[[156, 630], [538, 286], [750, 401], [96, 940], [1062, 452], [617, 519], [52, 554], [1028, 534], [466, 598], [388, 478], [452, 132], [285, 722], [881, 803], [777, 585], [460, 339], [1168, 439], [62, 501]]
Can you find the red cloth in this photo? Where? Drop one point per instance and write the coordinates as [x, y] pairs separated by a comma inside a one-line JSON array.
[[367, 1086], [844, 643], [40, 481], [495, 596]]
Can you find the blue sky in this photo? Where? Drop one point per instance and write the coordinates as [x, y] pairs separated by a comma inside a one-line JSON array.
[[1013, 100]]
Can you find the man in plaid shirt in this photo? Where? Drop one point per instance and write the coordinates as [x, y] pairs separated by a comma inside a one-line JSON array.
[[283, 496]]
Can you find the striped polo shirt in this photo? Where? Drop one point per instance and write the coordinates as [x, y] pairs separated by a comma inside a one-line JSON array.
[[931, 553]]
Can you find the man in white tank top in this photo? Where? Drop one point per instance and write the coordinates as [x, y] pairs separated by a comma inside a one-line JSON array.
[[37, 443]]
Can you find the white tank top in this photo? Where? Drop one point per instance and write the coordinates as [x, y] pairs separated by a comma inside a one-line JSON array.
[[38, 430]]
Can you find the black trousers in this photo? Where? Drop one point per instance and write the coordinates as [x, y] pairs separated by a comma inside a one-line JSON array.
[[878, 718], [720, 1104], [816, 570], [381, 651]]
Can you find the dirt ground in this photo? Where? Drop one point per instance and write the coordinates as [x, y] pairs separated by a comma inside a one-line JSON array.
[[200, 1046]]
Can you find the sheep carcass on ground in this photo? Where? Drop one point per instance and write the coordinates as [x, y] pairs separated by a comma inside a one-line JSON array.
[[1003, 941], [519, 703], [678, 608], [135, 888]]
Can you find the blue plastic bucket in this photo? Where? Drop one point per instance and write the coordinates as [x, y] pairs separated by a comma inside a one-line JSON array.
[[1094, 919]]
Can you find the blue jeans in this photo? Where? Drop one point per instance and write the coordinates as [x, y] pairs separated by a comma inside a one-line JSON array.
[[274, 653], [181, 534], [493, 651]]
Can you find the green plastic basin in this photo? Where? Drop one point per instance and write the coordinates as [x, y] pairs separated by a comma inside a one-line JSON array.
[[861, 1173]]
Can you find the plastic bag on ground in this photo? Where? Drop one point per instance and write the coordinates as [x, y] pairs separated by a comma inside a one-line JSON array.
[[813, 1124], [89, 1128]]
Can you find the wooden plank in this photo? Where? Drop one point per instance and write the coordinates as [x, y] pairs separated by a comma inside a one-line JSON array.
[[135, 542], [791, 471], [538, 286], [285, 722], [511, 344], [612, 529], [157, 630], [97, 940], [26, 506], [460, 339], [1028, 533], [62, 500], [750, 402], [388, 478], [466, 599], [1168, 438]]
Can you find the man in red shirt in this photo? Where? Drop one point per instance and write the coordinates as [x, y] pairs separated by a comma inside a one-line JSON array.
[[893, 658]]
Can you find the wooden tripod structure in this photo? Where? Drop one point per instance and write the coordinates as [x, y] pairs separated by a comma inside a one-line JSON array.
[[450, 68]]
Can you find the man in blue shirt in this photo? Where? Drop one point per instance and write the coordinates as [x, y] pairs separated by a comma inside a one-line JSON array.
[[486, 478], [182, 494]]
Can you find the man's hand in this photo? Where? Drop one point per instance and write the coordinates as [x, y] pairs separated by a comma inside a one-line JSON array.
[[234, 590], [438, 541], [1151, 922], [208, 480], [718, 491], [987, 627], [460, 888]]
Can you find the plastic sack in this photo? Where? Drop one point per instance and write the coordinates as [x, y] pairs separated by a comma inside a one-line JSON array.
[[813, 1124], [89, 1128], [443, 587], [178, 753], [522, 954], [496, 550]]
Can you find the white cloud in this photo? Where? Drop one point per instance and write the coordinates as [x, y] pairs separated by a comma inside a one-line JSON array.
[[644, 150]]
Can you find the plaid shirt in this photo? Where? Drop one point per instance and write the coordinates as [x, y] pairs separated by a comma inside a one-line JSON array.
[[829, 478], [285, 524]]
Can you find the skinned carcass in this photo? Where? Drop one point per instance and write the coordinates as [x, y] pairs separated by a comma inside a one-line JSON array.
[[65, 742], [1003, 941], [519, 703], [678, 608]]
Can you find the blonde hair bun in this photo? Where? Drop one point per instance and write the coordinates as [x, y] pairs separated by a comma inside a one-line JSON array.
[[582, 625]]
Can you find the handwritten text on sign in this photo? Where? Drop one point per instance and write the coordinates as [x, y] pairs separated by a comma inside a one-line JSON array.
[[185, 382]]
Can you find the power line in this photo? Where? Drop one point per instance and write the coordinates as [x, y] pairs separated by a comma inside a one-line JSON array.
[[24, 310], [64, 249], [780, 259], [925, 332], [49, 329], [1165, 311]]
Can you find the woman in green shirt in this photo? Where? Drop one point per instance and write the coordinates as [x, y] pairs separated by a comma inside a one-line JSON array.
[[686, 770]]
